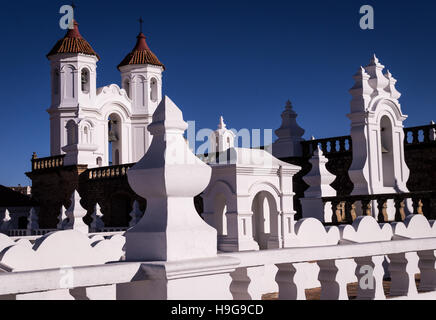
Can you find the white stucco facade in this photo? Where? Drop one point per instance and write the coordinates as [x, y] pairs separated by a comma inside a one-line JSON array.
[[249, 201], [106, 125]]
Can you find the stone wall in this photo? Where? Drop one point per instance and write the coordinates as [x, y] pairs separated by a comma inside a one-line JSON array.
[[52, 189]]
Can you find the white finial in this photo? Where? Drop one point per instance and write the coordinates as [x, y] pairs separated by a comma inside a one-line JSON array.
[[4, 226], [319, 178], [222, 125], [97, 223], [75, 214], [169, 176], [312, 138], [375, 59], [7, 216], [432, 132], [32, 221]]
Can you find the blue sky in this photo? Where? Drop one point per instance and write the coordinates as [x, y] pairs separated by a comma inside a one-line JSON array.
[[239, 59]]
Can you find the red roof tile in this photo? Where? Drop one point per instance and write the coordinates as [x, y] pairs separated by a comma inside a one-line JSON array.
[[141, 54], [73, 43]]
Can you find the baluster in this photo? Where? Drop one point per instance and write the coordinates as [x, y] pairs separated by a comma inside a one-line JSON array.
[[291, 281], [427, 266], [382, 204], [343, 211], [417, 206], [353, 212], [370, 273], [400, 214], [333, 281], [247, 283], [366, 207], [406, 136], [402, 274], [350, 144], [347, 211], [331, 145], [420, 208], [337, 216]]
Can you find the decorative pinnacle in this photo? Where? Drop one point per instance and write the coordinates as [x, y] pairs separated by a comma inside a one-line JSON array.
[[375, 62], [222, 125], [288, 104], [389, 75], [312, 138]]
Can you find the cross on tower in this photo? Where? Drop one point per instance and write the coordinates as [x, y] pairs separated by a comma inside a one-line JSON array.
[[140, 24]]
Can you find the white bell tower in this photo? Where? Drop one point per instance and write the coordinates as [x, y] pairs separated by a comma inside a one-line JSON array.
[[377, 133], [73, 88], [222, 138], [141, 77]]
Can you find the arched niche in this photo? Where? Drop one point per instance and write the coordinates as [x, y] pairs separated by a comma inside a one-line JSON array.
[[114, 138], [71, 128], [265, 221]]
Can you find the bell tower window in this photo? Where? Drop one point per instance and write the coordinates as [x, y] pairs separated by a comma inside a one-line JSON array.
[[85, 80], [56, 79], [153, 89]]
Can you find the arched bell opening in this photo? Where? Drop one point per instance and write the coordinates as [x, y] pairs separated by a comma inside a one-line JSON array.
[[387, 153]]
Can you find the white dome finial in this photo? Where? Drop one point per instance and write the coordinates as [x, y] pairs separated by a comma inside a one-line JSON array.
[[221, 125]]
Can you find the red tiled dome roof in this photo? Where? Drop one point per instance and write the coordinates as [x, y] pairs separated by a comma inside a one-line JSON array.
[[141, 54], [73, 43]]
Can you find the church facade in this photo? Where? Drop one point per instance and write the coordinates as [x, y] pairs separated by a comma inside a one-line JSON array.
[[101, 126]]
